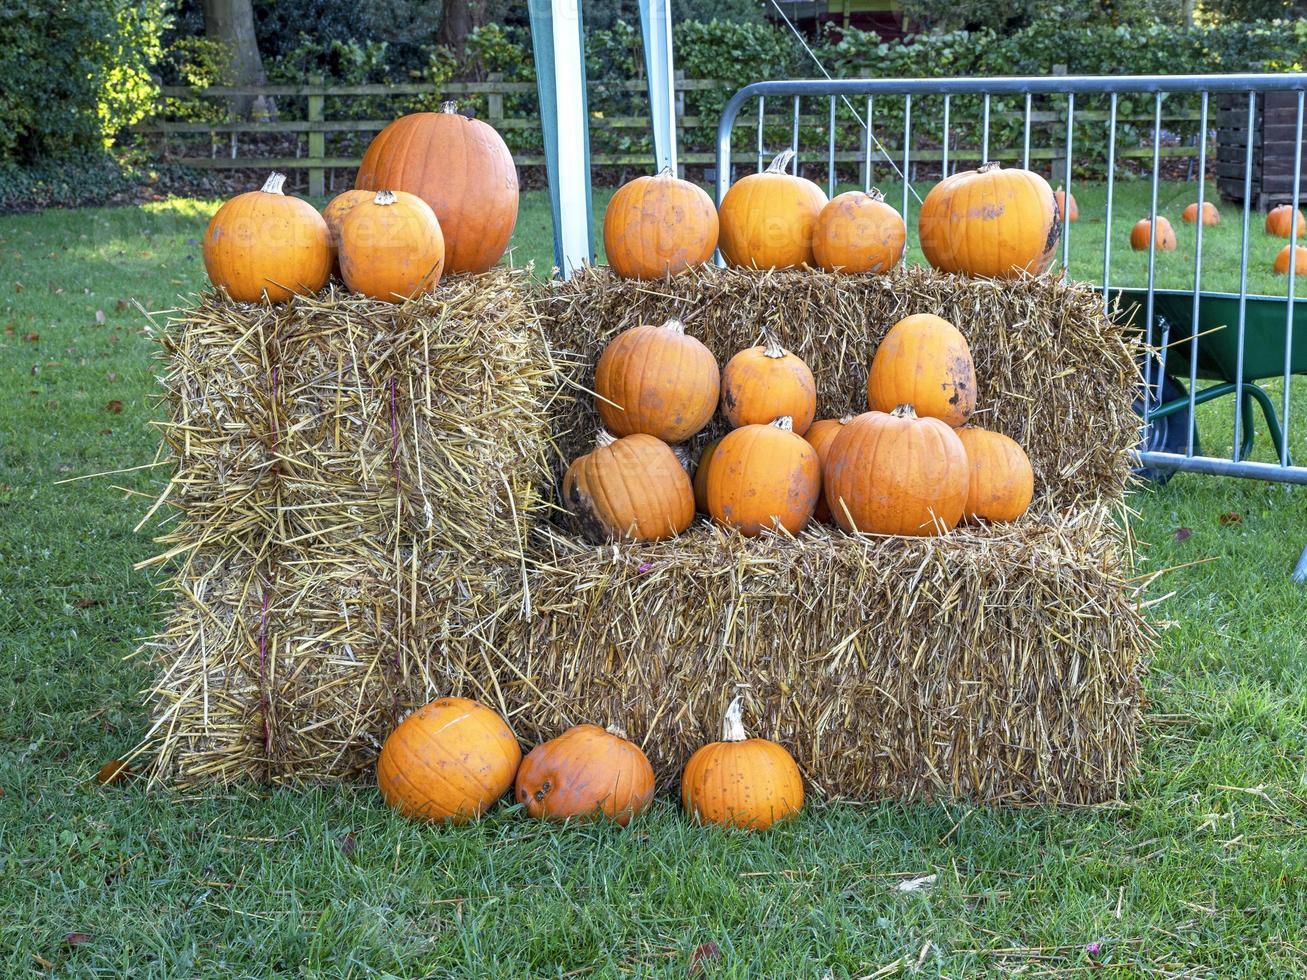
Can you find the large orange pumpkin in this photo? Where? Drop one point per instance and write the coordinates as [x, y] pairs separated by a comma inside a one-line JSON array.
[[990, 222], [1073, 213], [629, 489], [763, 383], [1280, 222], [391, 248], [897, 474], [1211, 216], [658, 380], [924, 361], [858, 232], [334, 213], [1281, 264], [1165, 235], [659, 226], [701, 476], [459, 166], [763, 477], [743, 782], [263, 246], [767, 219], [1001, 483], [450, 760], [586, 772], [820, 435]]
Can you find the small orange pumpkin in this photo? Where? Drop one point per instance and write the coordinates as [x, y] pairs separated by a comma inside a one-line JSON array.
[[334, 213], [450, 760], [858, 232], [820, 435], [1280, 221], [763, 383], [1281, 264], [1074, 212], [1211, 216], [1001, 483], [743, 782], [701, 476], [659, 226], [585, 773], [1165, 235], [657, 380], [924, 361], [391, 248], [629, 489], [264, 247], [897, 474], [767, 219], [762, 477]]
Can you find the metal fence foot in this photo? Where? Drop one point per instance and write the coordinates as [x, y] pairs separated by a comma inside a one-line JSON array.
[[1300, 571]]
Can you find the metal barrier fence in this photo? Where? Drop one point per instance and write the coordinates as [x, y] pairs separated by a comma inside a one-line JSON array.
[[1233, 338]]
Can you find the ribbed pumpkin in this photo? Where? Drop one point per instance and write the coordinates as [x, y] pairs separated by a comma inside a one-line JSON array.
[[1165, 235], [657, 380], [334, 213], [767, 219], [1281, 264], [1074, 213], [990, 222], [897, 474], [1280, 222], [701, 476], [1001, 483], [586, 773], [924, 361], [391, 248], [629, 489], [1211, 216], [820, 435], [743, 782], [659, 226], [762, 477], [450, 760], [263, 246], [459, 166], [763, 383], [858, 232]]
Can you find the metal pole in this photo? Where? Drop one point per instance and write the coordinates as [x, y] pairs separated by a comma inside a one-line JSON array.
[[1066, 185], [761, 151], [656, 26], [1237, 449], [830, 152], [1293, 272], [907, 183], [1025, 137], [1111, 173], [984, 132], [866, 150], [794, 139], [943, 153], [1151, 392], [1198, 278]]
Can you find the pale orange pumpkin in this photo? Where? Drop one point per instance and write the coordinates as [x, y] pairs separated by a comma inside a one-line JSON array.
[[701, 476], [1074, 211], [586, 773], [858, 232], [820, 435], [764, 477], [629, 489], [1211, 216], [897, 474], [1280, 222], [657, 380], [334, 213], [264, 247], [748, 783], [1001, 481], [459, 166], [450, 760], [990, 222], [1281, 264], [1165, 235], [659, 226], [391, 248], [924, 361], [763, 383], [767, 219]]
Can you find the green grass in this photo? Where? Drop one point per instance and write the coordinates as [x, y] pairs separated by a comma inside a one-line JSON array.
[[1204, 866]]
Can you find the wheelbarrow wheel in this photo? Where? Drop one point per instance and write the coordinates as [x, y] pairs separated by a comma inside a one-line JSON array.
[[1167, 434]]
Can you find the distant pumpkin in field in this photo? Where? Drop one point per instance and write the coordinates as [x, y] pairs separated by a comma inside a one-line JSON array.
[[1211, 216], [1280, 222], [1073, 213], [1281, 265], [1165, 235]]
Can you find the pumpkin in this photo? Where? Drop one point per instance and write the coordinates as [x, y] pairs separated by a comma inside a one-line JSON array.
[[820, 435], [459, 166], [924, 361], [763, 383], [334, 213], [763, 477], [1001, 481], [990, 222], [449, 760], [701, 476], [1165, 235], [264, 247], [897, 474], [657, 380], [391, 248], [1211, 216], [659, 226], [767, 219], [629, 489], [743, 782], [585, 773], [1280, 221], [1281, 264], [858, 232], [1074, 212]]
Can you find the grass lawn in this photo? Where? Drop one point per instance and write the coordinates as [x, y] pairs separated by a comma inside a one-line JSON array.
[[1201, 872]]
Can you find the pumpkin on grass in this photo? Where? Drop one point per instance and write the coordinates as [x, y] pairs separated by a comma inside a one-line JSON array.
[[391, 248], [1073, 212], [629, 489], [763, 383], [264, 247], [1211, 216], [767, 219], [586, 773], [1281, 223], [450, 760], [701, 476], [657, 380], [924, 361], [820, 435], [1165, 235], [763, 477], [334, 213], [1281, 264], [659, 226], [743, 782], [858, 232], [1001, 482]]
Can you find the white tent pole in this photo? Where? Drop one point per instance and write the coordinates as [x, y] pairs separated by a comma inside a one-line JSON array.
[[656, 23]]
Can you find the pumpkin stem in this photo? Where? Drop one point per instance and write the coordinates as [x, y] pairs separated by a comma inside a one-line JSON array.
[[845, 419], [682, 456], [384, 198], [449, 108], [274, 183], [987, 167], [781, 162], [617, 730], [665, 172], [674, 325], [604, 438], [733, 722], [784, 422], [773, 349], [904, 412], [876, 194]]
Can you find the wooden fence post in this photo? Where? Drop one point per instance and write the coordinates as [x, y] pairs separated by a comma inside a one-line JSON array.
[[495, 100], [317, 139]]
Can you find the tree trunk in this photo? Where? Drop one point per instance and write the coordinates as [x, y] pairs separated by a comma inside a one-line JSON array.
[[232, 23], [461, 16]]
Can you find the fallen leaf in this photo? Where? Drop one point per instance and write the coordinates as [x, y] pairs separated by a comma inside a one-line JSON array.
[[18, 287], [1183, 533], [87, 603], [113, 771], [1230, 517], [111, 376], [77, 938], [123, 306], [106, 432], [115, 407], [42, 962], [99, 316], [703, 953], [32, 337], [923, 884], [348, 843]]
